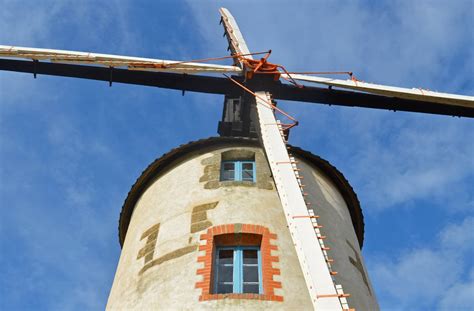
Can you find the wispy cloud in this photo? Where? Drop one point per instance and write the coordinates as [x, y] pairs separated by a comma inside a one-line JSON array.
[[460, 295], [430, 276], [413, 161]]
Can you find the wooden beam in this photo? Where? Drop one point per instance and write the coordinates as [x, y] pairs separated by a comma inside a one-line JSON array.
[[116, 61]]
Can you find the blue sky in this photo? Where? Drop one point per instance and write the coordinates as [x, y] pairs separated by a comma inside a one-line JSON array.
[[70, 149]]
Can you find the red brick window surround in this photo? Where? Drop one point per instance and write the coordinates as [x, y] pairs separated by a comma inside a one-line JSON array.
[[243, 235]]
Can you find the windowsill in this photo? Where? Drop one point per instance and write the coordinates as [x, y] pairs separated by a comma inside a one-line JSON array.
[[240, 296], [231, 183]]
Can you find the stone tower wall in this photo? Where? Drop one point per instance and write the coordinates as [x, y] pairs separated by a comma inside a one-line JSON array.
[[166, 260]]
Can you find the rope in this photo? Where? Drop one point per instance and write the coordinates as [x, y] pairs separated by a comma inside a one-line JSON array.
[[291, 78]]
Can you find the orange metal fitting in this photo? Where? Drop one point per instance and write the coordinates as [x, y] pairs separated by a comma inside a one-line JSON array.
[[260, 66]]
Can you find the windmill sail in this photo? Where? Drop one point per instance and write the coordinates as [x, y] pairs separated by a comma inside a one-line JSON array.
[[220, 85], [415, 94], [117, 61]]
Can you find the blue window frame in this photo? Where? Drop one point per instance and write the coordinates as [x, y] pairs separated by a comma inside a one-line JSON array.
[[238, 171], [238, 269]]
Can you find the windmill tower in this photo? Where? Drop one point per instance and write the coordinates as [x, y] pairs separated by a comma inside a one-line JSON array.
[[204, 226], [196, 234], [243, 220]]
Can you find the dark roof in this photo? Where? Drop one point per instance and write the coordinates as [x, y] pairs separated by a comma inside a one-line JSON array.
[[168, 160]]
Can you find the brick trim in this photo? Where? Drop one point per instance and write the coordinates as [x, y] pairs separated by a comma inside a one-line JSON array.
[[268, 271]]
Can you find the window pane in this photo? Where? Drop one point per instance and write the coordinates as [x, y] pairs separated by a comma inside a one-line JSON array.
[[250, 274], [250, 256], [225, 271], [228, 175], [247, 166], [247, 175], [251, 288], [225, 274], [229, 166], [226, 256], [228, 171], [224, 288], [247, 171]]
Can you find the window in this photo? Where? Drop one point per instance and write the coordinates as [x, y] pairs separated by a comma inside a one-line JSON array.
[[238, 263], [238, 270], [238, 171]]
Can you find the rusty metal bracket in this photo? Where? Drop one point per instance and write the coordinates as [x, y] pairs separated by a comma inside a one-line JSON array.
[[35, 62], [111, 75]]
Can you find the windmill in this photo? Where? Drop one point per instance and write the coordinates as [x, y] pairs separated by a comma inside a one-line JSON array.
[[258, 77]]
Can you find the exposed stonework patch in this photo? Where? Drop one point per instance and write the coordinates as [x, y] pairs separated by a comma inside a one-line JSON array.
[[213, 184], [211, 172], [199, 219], [212, 169], [149, 256], [152, 235], [149, 247], [204, 207], [237, 228], [199, 216], [229, 183], [171, 255], [200, 226], [264, 175], [148, 250], [150, 230], [358, 265], [238, 154]]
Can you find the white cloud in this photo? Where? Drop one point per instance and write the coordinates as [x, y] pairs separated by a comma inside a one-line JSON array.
[[429, 276], [414, 161], [460, 296], [459, 238]]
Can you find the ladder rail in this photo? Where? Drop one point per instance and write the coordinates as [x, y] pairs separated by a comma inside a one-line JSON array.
[[312, 260]]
